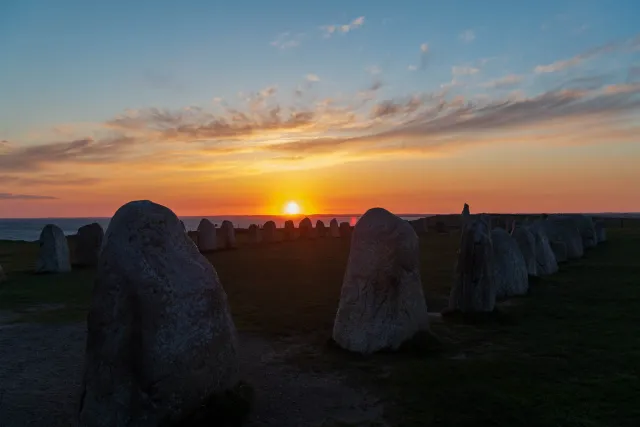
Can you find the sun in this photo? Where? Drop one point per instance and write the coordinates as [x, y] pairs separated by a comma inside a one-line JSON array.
[[292, 208]]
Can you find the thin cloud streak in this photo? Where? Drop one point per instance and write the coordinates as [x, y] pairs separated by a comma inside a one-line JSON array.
[[332, 29], [10, 196]]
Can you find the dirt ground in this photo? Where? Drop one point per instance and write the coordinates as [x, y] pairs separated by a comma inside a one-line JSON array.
[[40, 373]]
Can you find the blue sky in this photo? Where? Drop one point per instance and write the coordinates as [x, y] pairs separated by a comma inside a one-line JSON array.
[[98, 83]]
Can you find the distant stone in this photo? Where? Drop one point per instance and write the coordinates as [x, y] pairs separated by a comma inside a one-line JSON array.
[[193, 235], [161, 344], [601, 231], [321, 230], [509, 267], [382, 304], [345, 229], [419, 225], [3, 277], [565, 229], [289, 230], [587, 231], [526, 241], [207, 236], [466, 212], [306, 229], [269, 232], [254, 233], [474, 288], [88, 244], [334, 228], [228, 236], [559, 250], [546, 261], [54, 251]]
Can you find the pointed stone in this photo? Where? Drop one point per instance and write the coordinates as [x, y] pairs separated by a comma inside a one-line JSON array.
[[227, 238], [54, 251], [305, 229], [334, 228], [269, 232], [546, 260], [509, 268], [88, 243], [321, 230], [207, 236], [527, 243]]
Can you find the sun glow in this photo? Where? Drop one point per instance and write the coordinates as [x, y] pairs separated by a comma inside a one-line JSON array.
[[292, 208]]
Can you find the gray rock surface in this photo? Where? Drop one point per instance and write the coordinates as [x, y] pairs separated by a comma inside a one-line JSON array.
[[509, 267], [88, 244], [269, 232], [254, 234], [527, 244], [227, 237], [564, 229], [54, 251], [546, 261], [559, 250], [289, 230], [334, 228], [305, 229], [207, 236], [474, 287], [586, 228], [382, 304], [161, 341]]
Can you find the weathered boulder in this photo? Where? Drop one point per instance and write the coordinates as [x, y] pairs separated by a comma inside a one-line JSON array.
[[88, 244], [546, 261], [334, 228], [269, 232], [184, 227], [509, 268], [54, 251], [161, 343], [321, 230], [601, 231], [586, 228], [227, 238], [306, 229], [382, 304], [565, 229], [289, 230], [3, 277], [527, 244], [254, 234], [559, 250], [207, 236], [474, 287], [345, 229]]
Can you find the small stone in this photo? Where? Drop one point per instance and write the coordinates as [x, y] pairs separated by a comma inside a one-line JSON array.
[[228, 236], [269, 232], [334, 228], [207, 236], [54, 251]]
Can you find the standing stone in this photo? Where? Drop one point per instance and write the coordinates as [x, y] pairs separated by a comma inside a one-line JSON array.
[[565, 229], [207, 236], [228, 236], [334, 228], [546, 261], [527, 244], [321, 230], [306, 229], [345, 229], [474, 287], [3, 277], [289, 230], [464, 216], [586, 228], [255, 236], [193, 235], [382, 304], [419, 225], [269, 232], [54, 251], [161, 343], [559, 250], [601, 231], [88, 244], [509, 268]]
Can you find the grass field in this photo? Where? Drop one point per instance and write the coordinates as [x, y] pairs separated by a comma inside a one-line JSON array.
[[566, 355]]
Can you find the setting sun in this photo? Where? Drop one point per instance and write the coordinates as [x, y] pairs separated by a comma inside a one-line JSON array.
[[292, 208]]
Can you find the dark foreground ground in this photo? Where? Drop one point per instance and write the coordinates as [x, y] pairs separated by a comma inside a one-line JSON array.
[[566, 355]]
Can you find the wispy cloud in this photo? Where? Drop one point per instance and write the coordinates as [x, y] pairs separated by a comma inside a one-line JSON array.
[[467, 36], [424, 55], [374, 70], [312, 78], [10, 196], [506, 82], [463, 70], [564, 64], [287, 40], [412, 67], [49, 180], [332, 29]]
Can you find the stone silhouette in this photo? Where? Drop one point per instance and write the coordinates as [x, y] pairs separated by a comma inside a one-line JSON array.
[[227, 237], [527, 243], [207, 236], [601, 231], [269, 232], [3, 276], [560, 250], [321, 230], [564, 229], [334, 228], [88, 244], [305, 229], [509, 267], [289, 230], [345, 229], [54, 251], [474, 287], [254, 233], [546, 261], [161, 343], [381, 303]]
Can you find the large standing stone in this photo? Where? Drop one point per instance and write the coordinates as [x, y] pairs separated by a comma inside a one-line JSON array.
[[527, 244], [474, 287], [382, 304], [601, 231], [3, 277], [289, 230], [334, 228], [345, 229], [306, 229], [161, 342], [228, 236], [559, 250], [509, 268], [465, 216], [255, 236], [207, 236], [321, 230], [586, 228], [88, 244], [54, 251], [565, 229], [269, 232], [546, 261]]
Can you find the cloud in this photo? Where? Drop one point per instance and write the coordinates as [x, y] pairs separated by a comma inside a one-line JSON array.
[[412, 68], [464, 70], [330, 30], [424, 48], [49, 180], [10, 196], [467, 36], [287, 40], [374, 70], [565, 64], [312, 78], [505, 82]]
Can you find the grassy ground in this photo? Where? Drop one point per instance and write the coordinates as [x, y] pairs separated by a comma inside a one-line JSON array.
[[566, 355]]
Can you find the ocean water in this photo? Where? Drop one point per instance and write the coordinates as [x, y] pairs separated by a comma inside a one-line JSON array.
[[29, 229]]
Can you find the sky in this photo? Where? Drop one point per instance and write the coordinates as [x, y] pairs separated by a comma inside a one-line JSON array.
[[215, 108]]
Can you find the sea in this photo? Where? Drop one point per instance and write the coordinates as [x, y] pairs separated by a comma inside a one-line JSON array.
[[29, 229]]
